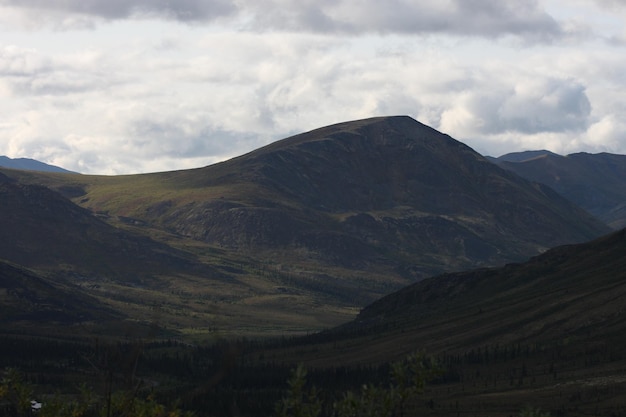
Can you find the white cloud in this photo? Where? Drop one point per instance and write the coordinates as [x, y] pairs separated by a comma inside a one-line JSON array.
[[608, 134], [546, 105], [462, 17], [528, 106], [20, 62]]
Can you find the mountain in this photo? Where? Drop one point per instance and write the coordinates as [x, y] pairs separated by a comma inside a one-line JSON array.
[[363, 192], [595, 182], [358, 193], [28, 164], [300, 232]]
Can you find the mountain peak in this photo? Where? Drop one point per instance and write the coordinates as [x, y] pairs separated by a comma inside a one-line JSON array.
[[368, 164], [382, 130]]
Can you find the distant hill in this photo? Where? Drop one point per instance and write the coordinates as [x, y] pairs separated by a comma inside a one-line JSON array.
[[595, 182], [521, 156], [29, 164]]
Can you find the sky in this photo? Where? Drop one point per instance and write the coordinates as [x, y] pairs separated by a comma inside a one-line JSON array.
[[133, 86]]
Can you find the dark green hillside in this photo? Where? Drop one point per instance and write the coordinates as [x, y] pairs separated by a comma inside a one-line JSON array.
[[547, 333], [572, 291]]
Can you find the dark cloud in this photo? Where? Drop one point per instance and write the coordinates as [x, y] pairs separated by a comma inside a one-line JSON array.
[[516, 17], [524, 18], [183, 10], [464, 17]]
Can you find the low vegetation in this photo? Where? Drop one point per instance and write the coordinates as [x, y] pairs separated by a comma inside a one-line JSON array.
[[405, 382]]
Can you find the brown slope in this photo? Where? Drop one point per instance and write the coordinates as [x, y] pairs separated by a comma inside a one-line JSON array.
[[595, 182]]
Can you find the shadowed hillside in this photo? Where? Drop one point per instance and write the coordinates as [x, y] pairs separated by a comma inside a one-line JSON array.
[[595, 182], [571, 291], [41, 229], [28, 297], [547, 333]]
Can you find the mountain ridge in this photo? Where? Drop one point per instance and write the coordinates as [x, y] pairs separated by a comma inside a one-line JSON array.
[[29, 164], [595, 182]]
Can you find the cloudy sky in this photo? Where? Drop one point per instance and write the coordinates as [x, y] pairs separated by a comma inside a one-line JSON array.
[[129, 86]]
